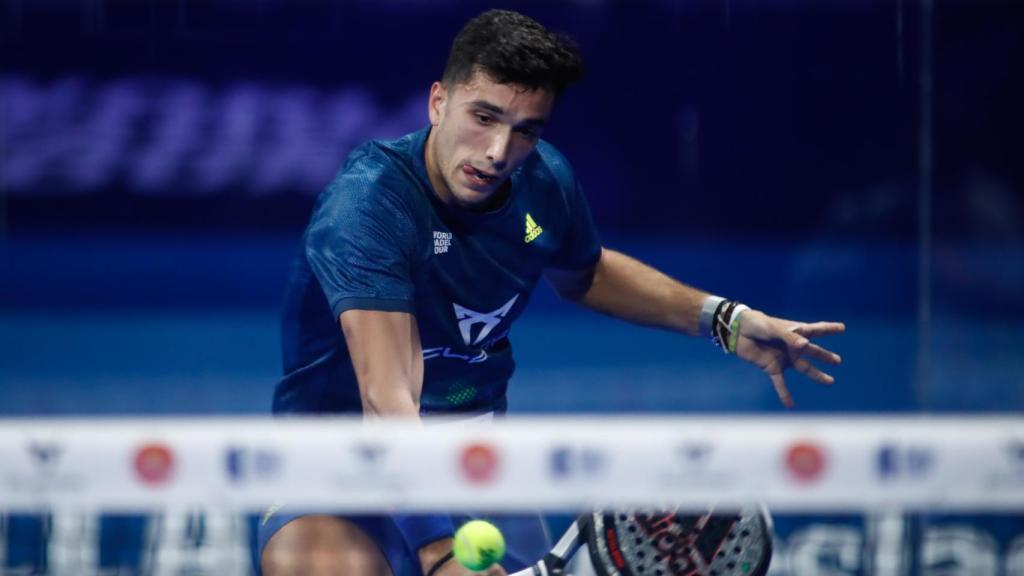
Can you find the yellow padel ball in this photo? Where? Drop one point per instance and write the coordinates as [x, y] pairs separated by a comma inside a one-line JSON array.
[[478, 545]]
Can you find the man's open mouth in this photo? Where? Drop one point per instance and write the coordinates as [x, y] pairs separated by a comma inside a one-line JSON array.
[[479, 177]]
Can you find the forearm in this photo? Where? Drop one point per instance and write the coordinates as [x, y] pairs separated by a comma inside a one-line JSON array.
[[392, 390], [389, 403], [626, 288], [388, 362]]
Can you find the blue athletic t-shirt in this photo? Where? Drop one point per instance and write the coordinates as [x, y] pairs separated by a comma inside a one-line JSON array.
[[380, 239]]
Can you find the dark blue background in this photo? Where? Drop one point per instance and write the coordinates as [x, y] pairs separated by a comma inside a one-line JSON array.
[[857, 161]]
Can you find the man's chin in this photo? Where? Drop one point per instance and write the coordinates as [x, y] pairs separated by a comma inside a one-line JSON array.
[[473, 199], [472, 205]]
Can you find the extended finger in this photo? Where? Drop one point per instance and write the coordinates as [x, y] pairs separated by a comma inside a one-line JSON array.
[[779, 383], [812, 372], [819, 353], [815, 329], [795, 340]]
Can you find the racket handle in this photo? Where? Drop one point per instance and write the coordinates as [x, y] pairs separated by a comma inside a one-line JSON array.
[[553, 563], [549, 566]]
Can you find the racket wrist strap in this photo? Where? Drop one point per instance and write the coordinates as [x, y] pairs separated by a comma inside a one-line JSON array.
[[418, 530], [734, 328], [726, 325]]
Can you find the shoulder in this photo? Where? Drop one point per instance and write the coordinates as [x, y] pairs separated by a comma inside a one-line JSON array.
[[377, 166], [552, 179], [553, 158], [548, 163], [375, 193], [378, 177]]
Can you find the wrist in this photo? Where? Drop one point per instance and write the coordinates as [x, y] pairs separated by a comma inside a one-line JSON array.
[[707, 316], [434, 554], [725, 324]]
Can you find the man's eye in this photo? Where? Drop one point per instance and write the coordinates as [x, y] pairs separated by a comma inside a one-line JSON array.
[[528, 133], [484, 119]]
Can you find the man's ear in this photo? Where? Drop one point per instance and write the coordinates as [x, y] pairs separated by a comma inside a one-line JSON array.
[[435, 105]]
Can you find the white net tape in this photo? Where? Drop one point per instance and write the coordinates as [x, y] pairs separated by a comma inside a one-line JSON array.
[[175, 497], [791, 465]]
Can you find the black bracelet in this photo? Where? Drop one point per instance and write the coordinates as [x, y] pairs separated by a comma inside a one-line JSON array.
[[719, 335], [715, 321], [437, 565]]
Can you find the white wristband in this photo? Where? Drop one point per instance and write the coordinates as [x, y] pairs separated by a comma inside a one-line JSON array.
[[707, 314]]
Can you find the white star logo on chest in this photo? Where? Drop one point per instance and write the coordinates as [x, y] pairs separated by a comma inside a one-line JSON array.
[[488, 320]]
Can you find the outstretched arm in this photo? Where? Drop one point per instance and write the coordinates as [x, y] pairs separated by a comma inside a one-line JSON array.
[[388, 360], [626, 288]]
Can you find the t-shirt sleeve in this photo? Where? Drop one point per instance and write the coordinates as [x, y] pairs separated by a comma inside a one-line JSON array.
[[361, 246], [581, 246]]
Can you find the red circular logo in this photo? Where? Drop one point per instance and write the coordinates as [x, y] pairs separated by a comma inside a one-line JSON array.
[[806, 461], [479, 463], [154, 463]]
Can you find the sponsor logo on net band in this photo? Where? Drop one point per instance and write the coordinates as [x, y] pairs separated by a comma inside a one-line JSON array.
[[897, 462], [806, 462], [154, 464], [1008, 473], [577, 463], [480, 463], [245, 464], [696, 464], [371, 468], [45, 472]]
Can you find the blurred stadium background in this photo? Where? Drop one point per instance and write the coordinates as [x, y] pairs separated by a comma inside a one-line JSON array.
[[158, 161]]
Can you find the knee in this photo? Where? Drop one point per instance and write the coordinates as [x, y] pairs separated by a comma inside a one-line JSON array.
[[321, 546], [288, 561], [317, 562]]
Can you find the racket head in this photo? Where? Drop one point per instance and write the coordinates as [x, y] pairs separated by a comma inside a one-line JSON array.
[[673, 543]]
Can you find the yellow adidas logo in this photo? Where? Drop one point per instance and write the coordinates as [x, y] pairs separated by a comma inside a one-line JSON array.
[[532, 229]]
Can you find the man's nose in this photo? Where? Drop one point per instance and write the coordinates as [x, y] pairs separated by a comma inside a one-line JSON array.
[[497, 151]]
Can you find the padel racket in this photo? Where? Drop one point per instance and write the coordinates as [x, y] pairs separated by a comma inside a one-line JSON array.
[[667, 543]]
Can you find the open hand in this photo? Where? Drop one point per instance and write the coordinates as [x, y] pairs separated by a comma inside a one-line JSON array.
[[775, 345]]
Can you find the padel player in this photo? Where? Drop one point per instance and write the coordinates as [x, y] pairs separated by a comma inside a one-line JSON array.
[[427, 248]]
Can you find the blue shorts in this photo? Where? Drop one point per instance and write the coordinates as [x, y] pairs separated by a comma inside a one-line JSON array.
[[526, 537]]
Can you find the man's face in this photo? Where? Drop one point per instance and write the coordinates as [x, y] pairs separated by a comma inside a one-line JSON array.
[[482, 131]]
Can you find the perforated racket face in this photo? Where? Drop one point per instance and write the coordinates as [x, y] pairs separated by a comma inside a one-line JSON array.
[[676, 544]]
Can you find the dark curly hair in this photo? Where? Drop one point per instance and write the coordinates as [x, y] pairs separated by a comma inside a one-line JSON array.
[[513, 49]]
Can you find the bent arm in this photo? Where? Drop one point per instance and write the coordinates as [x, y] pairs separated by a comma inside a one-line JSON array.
[[626, 288], [388, 361]]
